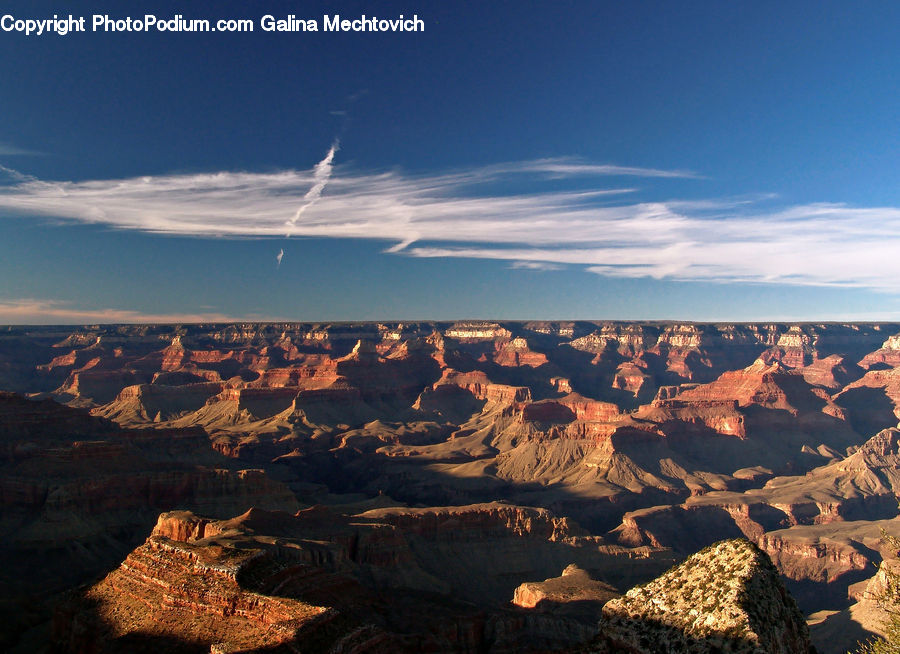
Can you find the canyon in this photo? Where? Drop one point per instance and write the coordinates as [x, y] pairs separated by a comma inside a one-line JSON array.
[[446, 486]]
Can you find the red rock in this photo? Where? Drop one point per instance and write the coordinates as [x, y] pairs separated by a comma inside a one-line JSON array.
[[267, 579]]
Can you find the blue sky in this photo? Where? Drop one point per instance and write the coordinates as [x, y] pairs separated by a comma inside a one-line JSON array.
[[695, 161]]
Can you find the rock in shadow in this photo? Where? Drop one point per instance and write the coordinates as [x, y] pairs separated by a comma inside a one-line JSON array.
[[869, 410]]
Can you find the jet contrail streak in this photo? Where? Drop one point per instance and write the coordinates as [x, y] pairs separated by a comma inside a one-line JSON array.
[[321, 175]]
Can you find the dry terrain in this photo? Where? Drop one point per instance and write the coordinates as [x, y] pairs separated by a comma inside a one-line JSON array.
[[469, 486]]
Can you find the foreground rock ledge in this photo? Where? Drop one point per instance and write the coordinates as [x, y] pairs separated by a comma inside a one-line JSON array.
[[725, 598]]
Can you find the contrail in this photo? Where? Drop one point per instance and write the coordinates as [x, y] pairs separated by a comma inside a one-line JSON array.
[[321, 175]]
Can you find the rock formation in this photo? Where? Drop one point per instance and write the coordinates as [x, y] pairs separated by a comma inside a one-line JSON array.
[[573, 585], [78, 492], [331, 582], [657, 438], [725, 598]]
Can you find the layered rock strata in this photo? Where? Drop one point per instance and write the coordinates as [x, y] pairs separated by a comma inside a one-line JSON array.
[[321, 581]]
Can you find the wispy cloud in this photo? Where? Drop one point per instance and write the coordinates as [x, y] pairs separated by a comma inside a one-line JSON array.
[[571, 166], [461, 213], [10, 175], [30, 311], [8, 150], [539, 266]]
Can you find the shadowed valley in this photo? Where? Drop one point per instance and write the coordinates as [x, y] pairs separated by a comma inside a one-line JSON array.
[[469, 486]]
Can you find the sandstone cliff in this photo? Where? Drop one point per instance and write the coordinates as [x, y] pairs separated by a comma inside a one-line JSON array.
[[323, 581], [679, 433], [78, 492]]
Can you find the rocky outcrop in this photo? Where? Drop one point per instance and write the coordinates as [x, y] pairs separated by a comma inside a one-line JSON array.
[[478, 522], [833, 372], [477, 331], [873, 401], [678, 432], [761, 384], [862, 486], [174, 592], [573, 585], [827, 565], [727, 597], [327, 581], [481, 388], [888, 354], [517, 353], [154, 403], [78, 492]]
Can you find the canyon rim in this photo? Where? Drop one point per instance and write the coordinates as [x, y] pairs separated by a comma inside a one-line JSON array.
[[378, 327]]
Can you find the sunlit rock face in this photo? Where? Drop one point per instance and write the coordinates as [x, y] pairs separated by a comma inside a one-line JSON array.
[[728, 597], [574, 585], [384, 580], [656, 439]]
